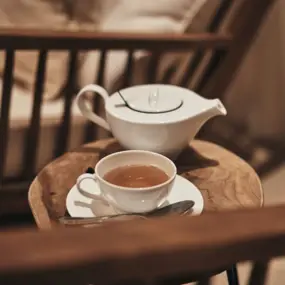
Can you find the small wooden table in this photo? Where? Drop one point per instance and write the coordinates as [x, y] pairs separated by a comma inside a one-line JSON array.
[[225, 180]]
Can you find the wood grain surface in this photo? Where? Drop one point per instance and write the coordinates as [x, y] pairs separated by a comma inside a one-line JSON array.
[[152, 249], [86, 40], [225, 181]]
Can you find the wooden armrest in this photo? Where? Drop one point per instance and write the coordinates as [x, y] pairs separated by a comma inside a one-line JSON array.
[[145, 249], [47, 39]]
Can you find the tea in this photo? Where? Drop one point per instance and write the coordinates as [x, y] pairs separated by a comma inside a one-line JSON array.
[[136, 176]]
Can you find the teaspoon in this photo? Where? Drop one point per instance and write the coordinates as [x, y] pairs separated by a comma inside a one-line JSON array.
[[179, 208]]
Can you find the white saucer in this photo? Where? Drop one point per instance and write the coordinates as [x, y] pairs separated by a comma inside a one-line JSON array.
[[81, 206]]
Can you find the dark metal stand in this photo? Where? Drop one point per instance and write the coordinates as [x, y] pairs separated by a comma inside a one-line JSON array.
[[232, 275]]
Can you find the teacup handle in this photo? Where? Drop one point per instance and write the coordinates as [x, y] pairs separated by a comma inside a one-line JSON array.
[[83, 177], [82, 102]]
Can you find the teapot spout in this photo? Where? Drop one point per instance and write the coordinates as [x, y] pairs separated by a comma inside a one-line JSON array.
[[212, 109], [218, 108]]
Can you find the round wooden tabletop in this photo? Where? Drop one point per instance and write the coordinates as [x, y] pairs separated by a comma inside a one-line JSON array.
[[225, 180]]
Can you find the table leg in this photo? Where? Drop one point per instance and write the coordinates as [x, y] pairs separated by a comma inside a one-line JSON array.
[[232, 275]]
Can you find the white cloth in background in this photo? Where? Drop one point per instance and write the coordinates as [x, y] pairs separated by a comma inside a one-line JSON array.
[[160, 16]]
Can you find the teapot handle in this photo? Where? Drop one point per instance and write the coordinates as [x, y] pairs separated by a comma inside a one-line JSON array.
[[82, 103]]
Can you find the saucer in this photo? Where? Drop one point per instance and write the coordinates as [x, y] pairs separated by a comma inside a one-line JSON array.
[[78, 205]]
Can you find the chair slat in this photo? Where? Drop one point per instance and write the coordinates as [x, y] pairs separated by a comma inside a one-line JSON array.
[[34, 128], [168, 74], [84, 40], [128, 71], [192, 67], [216, 59], [5, 108], [158, 248], [252, 13], [153, 67], [91, 132], [64, 129], [213, 27], [102, 65], [258, 273], [219, 16], [232, 275]]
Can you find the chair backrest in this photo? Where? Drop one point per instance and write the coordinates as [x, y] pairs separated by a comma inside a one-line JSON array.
[[161, 251], [227, 50]]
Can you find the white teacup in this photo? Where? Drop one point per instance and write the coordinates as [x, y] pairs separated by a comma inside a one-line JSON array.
[[134, 200]]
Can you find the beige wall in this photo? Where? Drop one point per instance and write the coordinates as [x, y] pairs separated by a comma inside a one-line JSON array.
[[257, 95]]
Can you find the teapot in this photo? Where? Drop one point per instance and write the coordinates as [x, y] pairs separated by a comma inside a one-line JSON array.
[[155, 117]]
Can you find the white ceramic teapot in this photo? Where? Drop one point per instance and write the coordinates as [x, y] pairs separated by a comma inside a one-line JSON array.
[[159, 118]]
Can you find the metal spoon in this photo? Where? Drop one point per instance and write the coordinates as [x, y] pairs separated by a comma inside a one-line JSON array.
[[179, 208]]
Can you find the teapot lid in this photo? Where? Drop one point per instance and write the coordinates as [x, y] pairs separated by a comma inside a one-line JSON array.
[[155, 104]]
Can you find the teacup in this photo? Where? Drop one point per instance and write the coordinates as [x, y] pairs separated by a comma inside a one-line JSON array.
[[127, 199]]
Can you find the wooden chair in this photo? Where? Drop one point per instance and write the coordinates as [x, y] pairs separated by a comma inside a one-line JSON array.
[[227, 51], [162, 251]]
